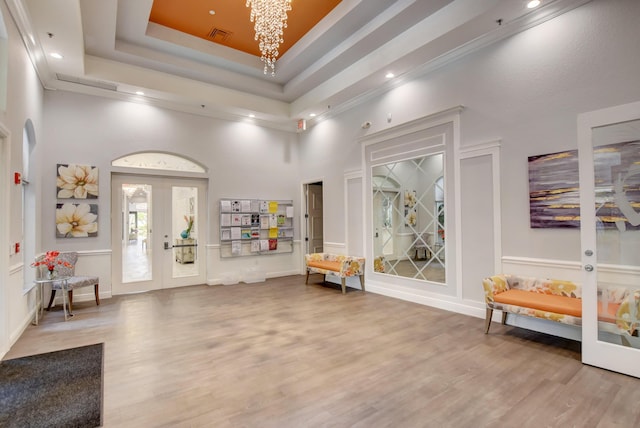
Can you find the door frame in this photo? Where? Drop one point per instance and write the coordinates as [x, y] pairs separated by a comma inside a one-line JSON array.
[[203, 229], [598, 353], [304, 218]]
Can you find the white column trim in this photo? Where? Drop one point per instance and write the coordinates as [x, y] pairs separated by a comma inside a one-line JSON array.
[[492, 149], [352, 175]]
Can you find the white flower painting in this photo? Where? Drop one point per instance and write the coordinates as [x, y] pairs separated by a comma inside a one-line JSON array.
[[410, 217], [410, 198], [76, 220], [77, 182]]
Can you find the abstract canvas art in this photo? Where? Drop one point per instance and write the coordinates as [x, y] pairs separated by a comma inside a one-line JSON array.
[[554, 191], [76, 181]]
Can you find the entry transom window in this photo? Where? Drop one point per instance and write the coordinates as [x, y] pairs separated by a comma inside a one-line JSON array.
[[158, 160]]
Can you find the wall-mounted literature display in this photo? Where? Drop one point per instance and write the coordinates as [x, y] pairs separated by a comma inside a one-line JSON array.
[[250, 227]]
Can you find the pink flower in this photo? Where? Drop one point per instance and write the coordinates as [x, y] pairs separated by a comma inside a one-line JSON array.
[[51, 261]]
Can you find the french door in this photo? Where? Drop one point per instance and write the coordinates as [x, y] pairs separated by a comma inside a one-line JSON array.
[[158, 232], [609, 154]]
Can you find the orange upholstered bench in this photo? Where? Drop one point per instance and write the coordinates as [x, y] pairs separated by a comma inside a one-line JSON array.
[[338, 265], [558, 300]]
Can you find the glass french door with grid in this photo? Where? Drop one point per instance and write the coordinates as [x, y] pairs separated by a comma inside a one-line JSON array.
[[609, 155], [158, 232]]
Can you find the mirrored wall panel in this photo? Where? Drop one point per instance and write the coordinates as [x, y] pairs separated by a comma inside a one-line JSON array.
[[409, 232]]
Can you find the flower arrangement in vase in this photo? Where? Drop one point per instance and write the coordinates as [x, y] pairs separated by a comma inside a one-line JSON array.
[[52, 262], [186, 234]]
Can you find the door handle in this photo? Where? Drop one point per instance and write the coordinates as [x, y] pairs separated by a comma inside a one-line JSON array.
[[588, 268]]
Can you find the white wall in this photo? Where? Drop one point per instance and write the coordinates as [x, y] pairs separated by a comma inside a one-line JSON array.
[[24, 102], [525, 91], [243, 161]]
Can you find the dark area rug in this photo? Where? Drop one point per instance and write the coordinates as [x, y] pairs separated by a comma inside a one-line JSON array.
[[56, 389]]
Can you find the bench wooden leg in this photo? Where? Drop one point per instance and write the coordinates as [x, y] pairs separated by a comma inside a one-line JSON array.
[[487, 321], [362, 281], [504, 318], [344, 285], [306, 282]]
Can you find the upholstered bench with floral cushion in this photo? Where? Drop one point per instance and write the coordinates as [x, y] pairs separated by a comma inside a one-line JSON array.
[[558, 300], [334, 264]]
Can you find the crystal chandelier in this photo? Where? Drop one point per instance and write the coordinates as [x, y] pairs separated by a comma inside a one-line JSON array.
[[270, 17]]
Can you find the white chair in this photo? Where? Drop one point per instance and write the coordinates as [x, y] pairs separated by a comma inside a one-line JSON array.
[[422, 246], [74, 281]]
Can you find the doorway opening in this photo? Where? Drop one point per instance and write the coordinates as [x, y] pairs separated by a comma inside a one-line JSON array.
[[314, 229], [159, 222]]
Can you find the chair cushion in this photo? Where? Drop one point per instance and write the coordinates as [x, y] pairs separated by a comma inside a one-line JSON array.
[[77, 282], [326, 265], [540, 301]]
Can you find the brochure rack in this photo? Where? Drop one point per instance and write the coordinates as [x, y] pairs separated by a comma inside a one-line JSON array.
[[250, 227]]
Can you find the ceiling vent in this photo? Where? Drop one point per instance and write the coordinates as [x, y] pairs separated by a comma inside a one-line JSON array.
[[93, 83], [218, 35]]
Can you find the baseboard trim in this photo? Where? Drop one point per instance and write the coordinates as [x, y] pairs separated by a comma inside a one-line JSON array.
[[447, 303]]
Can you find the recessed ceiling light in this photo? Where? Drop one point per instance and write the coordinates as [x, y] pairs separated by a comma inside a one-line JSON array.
[[56, 55], [390, 75], [212, 12], [139, 93], [252, 115], [312, 115], [533, 3]]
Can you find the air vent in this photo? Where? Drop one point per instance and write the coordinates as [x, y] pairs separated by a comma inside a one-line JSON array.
[[80, 81], [218, 35]]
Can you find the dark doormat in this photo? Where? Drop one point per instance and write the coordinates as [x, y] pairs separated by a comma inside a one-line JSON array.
[[56, 389]]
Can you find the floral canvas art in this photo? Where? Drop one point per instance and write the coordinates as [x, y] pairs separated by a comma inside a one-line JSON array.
[[76, 220], [410, 198], [77, 181], [410, 217], [410, 213]]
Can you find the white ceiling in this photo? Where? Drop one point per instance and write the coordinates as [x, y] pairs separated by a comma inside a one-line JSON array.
[[341, 61]]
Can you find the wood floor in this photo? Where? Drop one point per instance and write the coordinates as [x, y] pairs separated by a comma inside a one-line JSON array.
[[282, 354]]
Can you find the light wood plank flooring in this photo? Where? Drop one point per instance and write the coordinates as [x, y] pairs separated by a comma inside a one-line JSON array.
[[282, 354]]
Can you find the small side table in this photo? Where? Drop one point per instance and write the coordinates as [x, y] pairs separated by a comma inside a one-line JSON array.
[[40, 282], [185, 250]]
